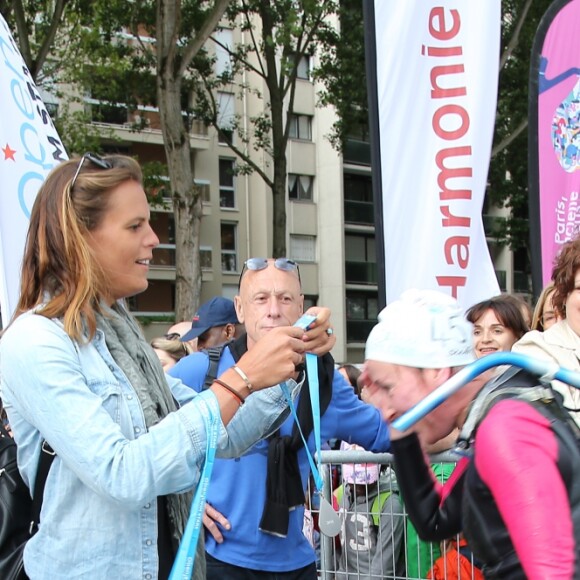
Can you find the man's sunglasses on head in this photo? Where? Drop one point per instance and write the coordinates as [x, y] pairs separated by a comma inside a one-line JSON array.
[[256, 264]]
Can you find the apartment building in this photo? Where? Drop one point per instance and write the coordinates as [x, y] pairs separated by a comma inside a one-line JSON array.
[[329, 207]]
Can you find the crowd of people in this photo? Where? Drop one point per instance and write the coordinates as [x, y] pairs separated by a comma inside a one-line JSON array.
[[130, 422]]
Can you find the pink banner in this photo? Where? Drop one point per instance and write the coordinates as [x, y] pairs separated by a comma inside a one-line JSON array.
[[558, 133]]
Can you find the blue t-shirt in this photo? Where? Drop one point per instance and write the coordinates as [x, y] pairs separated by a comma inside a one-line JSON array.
[[238, 486]]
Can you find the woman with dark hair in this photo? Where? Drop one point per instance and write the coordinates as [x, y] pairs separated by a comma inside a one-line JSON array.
[[497, 324], [561, 341], [129, 441], [351, 375]]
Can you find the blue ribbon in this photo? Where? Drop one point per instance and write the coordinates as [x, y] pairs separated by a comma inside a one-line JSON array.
[[547, 371], [182, 568], [312, 372]]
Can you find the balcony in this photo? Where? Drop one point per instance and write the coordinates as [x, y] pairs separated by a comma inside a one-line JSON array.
[[164, 256], [357, 152], [361, 273], [359, 212], [142, 125]]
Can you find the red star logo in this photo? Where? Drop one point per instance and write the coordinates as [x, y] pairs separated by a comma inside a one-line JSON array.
[[8, 153]]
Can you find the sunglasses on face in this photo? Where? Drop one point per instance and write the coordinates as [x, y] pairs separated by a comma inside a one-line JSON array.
[[256, 264], [95, 160]]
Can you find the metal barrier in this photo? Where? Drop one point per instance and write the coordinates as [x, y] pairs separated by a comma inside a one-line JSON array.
[[400, 557]]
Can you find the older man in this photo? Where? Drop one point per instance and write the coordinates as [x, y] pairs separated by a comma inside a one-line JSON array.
[[256, 510], [517, 493]]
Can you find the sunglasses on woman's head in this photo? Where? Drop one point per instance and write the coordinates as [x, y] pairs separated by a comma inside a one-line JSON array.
[[256, 264], [95, 160]]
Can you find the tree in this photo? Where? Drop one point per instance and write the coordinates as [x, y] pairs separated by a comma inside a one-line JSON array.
[[36, 25], [108, 55], [180, 31], [341, 70], [508, 172], [280, 35], [176, 47]]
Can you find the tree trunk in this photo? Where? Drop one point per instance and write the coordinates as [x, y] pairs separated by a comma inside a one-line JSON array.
[[187, 203], [279, 139], [279, 205]]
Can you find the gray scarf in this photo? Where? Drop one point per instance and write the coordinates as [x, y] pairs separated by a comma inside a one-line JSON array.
[[142, 367]]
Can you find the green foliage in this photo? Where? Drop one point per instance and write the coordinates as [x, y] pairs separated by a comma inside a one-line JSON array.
[[508, 172], [277, 35], [341, 70], [76, 133], [147, 320], [155, 183]]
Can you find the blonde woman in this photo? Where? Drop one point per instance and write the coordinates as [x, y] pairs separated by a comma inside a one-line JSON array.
[[545, 315], [169, 351]]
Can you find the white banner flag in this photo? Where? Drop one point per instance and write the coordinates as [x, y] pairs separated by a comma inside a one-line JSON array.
[[437, 74], [29, 148]]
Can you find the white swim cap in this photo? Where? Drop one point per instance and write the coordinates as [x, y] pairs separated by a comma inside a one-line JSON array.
[[423, 329]]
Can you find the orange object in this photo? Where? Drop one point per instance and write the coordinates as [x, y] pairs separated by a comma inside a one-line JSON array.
[[452, 565]]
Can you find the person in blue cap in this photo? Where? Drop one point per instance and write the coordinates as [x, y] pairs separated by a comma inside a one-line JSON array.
[[215, 323]]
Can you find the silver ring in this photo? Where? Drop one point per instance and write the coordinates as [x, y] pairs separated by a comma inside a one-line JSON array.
[[329, 331]]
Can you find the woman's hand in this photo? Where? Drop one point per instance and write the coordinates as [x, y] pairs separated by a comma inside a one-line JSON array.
[[319, 339], [274, 357]]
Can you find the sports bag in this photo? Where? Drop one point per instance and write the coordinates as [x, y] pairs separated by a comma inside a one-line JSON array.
[[19, 514]]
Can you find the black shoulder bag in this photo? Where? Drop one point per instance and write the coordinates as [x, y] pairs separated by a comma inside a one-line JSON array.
[[19, 514]]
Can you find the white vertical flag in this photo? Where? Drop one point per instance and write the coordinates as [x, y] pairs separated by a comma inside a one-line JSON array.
[[437, 73], [29, 148]]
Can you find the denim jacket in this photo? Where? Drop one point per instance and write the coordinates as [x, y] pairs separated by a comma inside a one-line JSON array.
[[99, 516]]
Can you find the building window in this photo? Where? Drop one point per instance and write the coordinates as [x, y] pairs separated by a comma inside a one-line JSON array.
[[361, 259], [300, 187], [163, 225], [229, 247], [358, 199], [203, 187], [309, 301], [302, 248], [49, 99], [361, 314], [205, 260], [300, 127], [52, 109], [158, 299], [223, 46], [226, 117], [115, 149], [227, 193], [303, 67]]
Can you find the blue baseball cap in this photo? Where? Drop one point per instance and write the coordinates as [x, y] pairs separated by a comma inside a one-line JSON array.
[[218, 311]]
